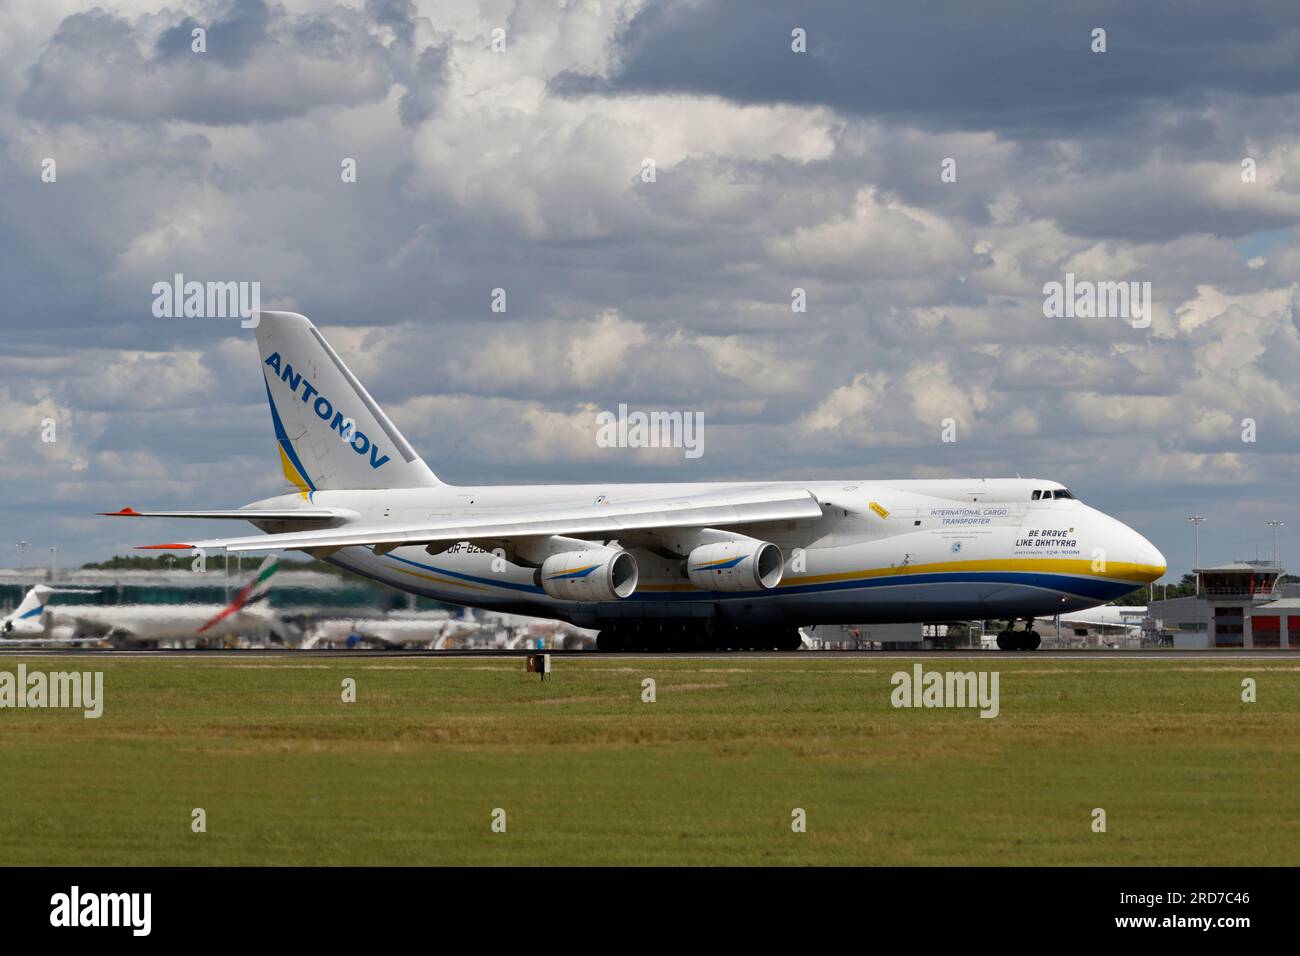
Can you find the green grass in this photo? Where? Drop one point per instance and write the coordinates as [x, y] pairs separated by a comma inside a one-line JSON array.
[[709, 774]]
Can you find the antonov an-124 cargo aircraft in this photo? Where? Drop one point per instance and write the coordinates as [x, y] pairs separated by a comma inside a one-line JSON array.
[[711, 565]]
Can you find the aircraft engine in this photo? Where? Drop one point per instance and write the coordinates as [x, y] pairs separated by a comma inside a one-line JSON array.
[[744, 565], [596, 574], [25, 627]]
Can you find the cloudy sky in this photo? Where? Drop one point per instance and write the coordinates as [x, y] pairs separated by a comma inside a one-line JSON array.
[[774, 170]]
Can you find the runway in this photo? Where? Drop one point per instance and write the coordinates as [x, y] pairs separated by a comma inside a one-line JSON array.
[[965, 654]]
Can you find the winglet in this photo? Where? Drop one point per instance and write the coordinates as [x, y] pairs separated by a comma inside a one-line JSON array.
[[162, 547], [127, 512]]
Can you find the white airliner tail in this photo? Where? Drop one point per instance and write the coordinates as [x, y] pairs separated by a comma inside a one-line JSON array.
[[331, 433], [33, 601], [27, 616]]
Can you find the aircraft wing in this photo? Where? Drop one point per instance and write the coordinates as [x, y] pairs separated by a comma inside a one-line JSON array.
[[719, 509], [94, 627]]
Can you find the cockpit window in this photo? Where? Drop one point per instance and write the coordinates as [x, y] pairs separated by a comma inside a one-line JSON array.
[[1047, 494]]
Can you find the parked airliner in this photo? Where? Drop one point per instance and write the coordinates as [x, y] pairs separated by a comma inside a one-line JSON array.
[[36, 621], [434, 630], [665, 566], [1125, 621]]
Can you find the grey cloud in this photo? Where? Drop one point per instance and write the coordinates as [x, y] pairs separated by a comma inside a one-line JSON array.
[[231, 39], [1111, 177], [397, 15], [954, 64], [261, 64], [423, 86]]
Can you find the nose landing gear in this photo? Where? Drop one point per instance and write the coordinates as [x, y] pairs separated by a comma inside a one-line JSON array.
[[1013, 640]]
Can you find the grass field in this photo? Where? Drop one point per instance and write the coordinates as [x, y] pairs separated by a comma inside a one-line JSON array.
[[708, 774]]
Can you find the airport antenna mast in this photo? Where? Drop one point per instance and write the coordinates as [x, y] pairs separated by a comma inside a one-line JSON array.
[[1275, 525], [1196, 571]]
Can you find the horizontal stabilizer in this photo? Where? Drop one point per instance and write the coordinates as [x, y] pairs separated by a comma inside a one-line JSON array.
[[241, 514]]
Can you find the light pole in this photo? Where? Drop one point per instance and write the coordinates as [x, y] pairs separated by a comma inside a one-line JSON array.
[[22, 547], [54, 551], [1196, 523], [1275, 525]]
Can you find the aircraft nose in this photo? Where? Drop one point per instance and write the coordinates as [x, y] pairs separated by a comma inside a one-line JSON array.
[[1141, 560], [1150, 563]]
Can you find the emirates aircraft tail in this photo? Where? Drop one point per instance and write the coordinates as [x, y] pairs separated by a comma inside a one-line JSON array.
[[250, 594]]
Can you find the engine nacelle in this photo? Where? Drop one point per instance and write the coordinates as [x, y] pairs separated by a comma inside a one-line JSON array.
[[597, 574], [744, 565], [17, 627]]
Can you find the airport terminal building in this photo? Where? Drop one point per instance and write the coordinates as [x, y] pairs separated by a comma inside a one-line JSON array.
[[297, 588], [1242, 604]]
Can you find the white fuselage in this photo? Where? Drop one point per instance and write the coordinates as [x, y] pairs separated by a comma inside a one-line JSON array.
[[883, 551], [1108, 618], [397, 631], [141, 623]]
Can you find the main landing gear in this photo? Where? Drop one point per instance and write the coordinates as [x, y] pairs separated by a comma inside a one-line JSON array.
[[674, 637], [1013, 640]]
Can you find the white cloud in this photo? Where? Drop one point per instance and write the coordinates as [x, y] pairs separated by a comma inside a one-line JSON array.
[[878, 237], [925, 298]]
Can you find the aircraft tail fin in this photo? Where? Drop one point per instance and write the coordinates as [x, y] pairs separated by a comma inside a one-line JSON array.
[[27, 616], [331, 433], [259, 588], [32, 605], [250, 594]]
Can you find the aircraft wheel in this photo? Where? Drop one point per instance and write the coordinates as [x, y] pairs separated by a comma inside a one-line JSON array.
[[610, 640], [790, 641], [1033, 641], [1006, 641]]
